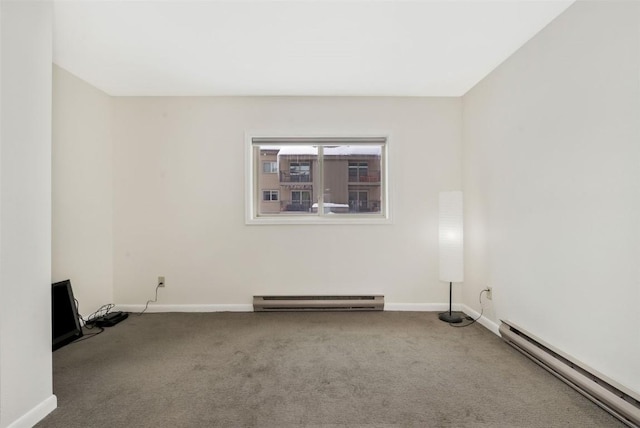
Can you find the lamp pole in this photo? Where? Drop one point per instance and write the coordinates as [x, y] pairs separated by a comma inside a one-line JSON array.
[[450, 245], [449, 316]]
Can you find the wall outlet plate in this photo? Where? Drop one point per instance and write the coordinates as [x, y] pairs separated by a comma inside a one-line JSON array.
[[161, 282], [490, 293]]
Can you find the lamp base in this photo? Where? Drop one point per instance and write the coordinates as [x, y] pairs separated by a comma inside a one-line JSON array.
[[452, 317]]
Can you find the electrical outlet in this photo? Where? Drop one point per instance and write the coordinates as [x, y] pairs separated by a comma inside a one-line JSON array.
[[161, 281], [490, 293]]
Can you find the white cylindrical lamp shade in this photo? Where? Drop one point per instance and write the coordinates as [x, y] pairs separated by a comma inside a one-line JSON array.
[[450, 236]]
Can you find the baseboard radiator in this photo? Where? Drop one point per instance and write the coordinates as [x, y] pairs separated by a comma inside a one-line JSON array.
[[621, 404], [318, 303]]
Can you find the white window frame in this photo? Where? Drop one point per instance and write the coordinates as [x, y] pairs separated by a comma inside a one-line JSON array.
[[252, 196]]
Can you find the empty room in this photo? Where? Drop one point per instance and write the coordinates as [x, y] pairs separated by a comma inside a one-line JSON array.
[[320, 213]]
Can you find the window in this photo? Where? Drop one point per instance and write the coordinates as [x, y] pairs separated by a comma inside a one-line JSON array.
[[357, 170], [300, 200], [359, 201], [300, 172], [270, 195], [317, 180], [270, 167]]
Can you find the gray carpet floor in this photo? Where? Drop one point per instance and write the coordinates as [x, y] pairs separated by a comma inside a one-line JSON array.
[[374, 369]]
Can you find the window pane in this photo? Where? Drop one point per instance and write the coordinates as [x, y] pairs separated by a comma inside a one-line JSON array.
[[352, 179], [294, 177], [292, 172], [269, 167], [300, 172]]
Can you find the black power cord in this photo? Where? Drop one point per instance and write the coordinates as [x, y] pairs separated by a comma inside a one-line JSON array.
[[89, 323], [155, 299], [486, 290], [89, 336], [101, 312]]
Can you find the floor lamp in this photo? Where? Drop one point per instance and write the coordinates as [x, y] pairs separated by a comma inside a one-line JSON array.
[[450, 240]]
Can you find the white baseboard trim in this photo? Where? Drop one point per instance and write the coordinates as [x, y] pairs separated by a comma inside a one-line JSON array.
[[484, 321], [36, 414], [412, 307], [185, 308], [441, 307], [420, 307]]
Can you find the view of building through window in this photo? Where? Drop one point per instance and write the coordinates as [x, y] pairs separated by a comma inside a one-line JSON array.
[[319, 179]]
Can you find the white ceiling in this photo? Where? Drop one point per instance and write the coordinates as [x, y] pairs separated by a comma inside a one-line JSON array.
[[298, 47]]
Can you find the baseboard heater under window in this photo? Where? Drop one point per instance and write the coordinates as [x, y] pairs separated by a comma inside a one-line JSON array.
[[614, 399], [318, 303]]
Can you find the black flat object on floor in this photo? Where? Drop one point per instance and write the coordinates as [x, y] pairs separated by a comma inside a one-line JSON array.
[[110, 319]]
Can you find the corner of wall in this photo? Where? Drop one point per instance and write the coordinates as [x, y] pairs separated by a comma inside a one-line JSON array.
[[82, 189]]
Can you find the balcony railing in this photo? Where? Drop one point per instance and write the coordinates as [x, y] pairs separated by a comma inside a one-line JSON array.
[[286, 177], [353, 207], [371, 177], [364, 206]]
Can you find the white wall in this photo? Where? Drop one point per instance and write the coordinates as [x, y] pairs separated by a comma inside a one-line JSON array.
[[551, 165], [82, 240], [25, 213], [179, 187]]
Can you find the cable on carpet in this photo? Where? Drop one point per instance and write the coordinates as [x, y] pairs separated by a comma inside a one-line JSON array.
[[101, 312], [89, 323], [89, 336], [486, 290]]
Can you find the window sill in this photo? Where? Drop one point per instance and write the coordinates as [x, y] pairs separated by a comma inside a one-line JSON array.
[[314, 220]]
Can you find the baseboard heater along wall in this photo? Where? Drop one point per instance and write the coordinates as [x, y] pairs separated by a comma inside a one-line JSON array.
[[372, 302], [621, 404]]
